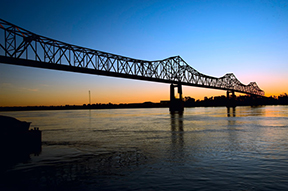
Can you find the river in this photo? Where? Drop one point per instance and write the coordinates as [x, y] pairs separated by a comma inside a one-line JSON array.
[[206, 148]]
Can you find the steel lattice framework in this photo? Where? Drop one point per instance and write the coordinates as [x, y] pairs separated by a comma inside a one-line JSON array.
[[21, 47]]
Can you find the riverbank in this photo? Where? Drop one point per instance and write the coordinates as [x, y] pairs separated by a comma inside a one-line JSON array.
[[220, 101]]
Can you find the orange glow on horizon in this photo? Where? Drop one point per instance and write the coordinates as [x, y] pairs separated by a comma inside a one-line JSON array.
[[108, 90], [37, 99]]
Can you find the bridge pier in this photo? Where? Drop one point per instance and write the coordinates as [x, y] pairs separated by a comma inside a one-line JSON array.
[[176, 105], [231, 101]]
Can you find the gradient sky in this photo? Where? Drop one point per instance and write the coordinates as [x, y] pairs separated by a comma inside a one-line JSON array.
[[248, 38]]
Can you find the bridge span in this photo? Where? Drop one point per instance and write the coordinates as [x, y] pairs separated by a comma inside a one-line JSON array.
[[22, 47]]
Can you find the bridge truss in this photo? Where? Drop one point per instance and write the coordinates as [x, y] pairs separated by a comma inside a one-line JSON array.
[[21, 47]]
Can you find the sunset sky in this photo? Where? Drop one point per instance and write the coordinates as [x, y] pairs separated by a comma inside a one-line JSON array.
[[246, 37]]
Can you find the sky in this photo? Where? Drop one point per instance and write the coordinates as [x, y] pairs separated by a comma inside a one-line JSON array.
[[247, 38]]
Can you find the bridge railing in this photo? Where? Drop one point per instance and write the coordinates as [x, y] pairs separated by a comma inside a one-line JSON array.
[[22, 47]]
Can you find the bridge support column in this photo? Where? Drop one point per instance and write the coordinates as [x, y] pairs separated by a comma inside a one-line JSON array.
[[176, 105], [231, 102]]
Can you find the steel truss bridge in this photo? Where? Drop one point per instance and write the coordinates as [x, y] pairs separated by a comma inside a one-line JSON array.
[[22, 47]]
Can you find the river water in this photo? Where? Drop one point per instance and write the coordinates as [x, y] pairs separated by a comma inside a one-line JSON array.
[[208, 148]]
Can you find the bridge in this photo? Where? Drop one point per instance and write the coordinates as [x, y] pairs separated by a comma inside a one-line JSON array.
[[22, 47]]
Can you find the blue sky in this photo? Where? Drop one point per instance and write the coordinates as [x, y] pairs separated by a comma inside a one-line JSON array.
[[248, 38]]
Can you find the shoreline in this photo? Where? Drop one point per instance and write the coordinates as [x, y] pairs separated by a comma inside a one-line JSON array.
[[128, 106], [221, 101]]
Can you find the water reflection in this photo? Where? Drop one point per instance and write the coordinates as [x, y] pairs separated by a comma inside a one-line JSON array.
[[177, 139], [121, 150], [90, 118], [76, 173], [233, 112], [176, 122], [258, 111], [15, 153]]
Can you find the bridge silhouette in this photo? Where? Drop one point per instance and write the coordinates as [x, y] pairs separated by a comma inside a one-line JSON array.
[[22, 47]]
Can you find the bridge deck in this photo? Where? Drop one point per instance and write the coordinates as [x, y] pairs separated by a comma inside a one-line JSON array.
[[21, 47]]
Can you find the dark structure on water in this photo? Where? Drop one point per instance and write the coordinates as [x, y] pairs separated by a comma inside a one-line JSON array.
[[16, 138]]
